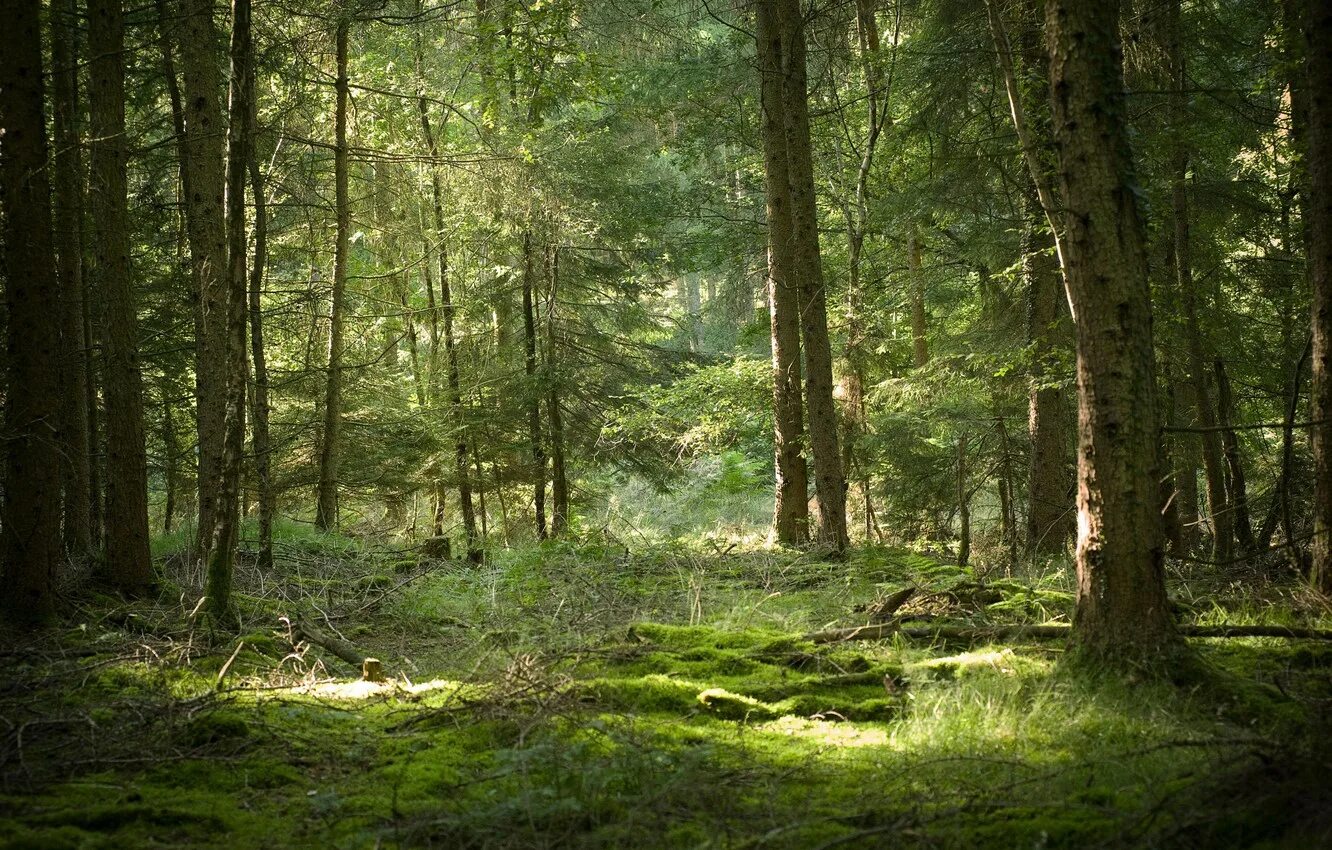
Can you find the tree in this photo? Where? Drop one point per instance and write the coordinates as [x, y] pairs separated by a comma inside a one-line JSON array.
[[790, 523], [203, 176], [807, 265], [128, 560], [326, 516], [1318, 53], [68, 224], [240, 155], [1121, 601], [31, 519]]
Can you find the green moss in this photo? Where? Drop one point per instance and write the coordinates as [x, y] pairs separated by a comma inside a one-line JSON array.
[[215, 727]]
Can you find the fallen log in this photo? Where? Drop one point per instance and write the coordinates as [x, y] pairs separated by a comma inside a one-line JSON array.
[[1047, 632], [372, 669]]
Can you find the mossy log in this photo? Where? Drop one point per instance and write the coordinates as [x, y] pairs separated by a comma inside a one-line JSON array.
[[1049, 632]]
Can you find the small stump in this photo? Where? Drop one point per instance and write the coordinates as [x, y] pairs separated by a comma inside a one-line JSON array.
[[372, 670]]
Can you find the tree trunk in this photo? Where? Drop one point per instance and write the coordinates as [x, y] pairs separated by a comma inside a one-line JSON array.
[[534, 392], [559, 482], [171, 466], [1318, 53], [474, 551], [68, 230], [963, 504], [1237, 487], [204, 179], [1121, 601], [31, 520], [326, 514], [128, 561], [920, 347], [807, 267], [790, 522], [1218, 507], [1050, 508], [259, 435]]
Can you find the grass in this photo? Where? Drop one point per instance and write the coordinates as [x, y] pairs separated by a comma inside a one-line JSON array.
[[584, 695]]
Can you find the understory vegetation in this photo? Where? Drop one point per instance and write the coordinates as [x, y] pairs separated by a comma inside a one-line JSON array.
[[589, 693]]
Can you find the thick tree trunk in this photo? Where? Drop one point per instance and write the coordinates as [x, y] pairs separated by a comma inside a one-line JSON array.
[[1318, 53], [534, 404], [1121, 601], [204, 179], [829, 482], [68, 229], [326, 513], [790, 522], [259, 435], [30, 528], [128, 561]]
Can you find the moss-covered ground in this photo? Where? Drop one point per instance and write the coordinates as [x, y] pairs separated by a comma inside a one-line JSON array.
[[588, 696]]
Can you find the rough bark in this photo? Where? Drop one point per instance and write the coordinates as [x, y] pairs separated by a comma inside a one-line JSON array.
[[67, 183], [326, 513], [30, 529], [1318, 210], [222, 549], [790, 522], [830, 483], [204, 179], [128, 561], [1121, 602]]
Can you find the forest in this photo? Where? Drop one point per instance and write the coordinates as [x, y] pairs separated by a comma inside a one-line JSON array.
[[666, 423]]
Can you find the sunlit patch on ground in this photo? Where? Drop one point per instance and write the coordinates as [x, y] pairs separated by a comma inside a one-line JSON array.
[[828, 732]]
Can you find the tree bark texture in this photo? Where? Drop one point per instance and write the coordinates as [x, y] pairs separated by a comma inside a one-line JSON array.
[[222, 551], [30, 528], [1121, 602], [128, 561], [790, 522], [1318, 53], [830, 483], [204, 179]]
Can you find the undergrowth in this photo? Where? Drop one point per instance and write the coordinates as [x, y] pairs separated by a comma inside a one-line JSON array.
[[586, 695]]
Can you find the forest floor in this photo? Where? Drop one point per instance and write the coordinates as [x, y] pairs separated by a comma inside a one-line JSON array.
[[588, 696]]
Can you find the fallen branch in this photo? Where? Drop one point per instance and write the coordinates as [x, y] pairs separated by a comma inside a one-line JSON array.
[[1049, 632]]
